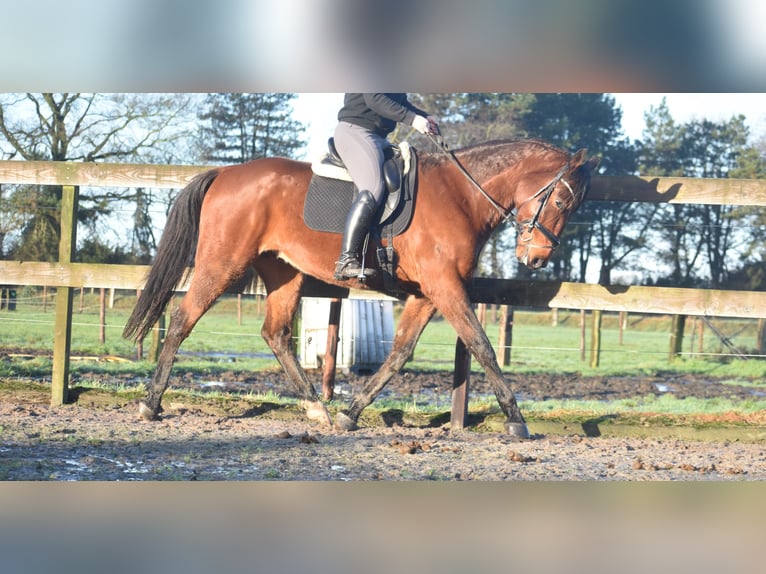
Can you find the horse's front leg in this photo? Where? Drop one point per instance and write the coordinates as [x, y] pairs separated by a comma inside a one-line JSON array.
[[457, 309], [283, 284], [415, 316]]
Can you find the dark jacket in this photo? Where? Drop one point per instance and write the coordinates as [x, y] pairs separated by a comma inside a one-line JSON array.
[[378, 112]]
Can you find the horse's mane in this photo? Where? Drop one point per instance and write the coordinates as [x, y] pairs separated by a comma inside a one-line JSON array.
[[493, 156]]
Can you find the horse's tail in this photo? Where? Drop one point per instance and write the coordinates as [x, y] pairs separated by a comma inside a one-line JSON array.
[[175, 254]]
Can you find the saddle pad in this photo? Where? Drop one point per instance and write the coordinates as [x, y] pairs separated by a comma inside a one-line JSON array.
[[328, 202]]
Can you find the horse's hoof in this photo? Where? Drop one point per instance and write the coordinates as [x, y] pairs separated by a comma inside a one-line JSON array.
[[345, 422], [146, 413], [316, 411], [518, 430]]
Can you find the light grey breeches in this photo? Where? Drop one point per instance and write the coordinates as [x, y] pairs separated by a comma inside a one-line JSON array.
[[362, 152]]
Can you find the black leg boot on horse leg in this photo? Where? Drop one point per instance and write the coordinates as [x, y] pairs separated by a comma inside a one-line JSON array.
[[515, 424], [458, 311], [358, 222]]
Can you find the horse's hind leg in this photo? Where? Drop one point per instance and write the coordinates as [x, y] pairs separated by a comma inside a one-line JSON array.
[[206, 286], [415, 316], [283, 284]]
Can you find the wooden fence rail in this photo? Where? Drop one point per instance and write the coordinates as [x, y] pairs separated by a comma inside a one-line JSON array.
[[603, 188], [513, 292], [553, 294]]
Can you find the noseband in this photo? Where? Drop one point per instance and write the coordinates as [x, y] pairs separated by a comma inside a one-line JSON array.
[[528, 225], [509, 216]]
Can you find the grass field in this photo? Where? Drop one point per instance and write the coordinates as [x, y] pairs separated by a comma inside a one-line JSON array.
[[538, 346]]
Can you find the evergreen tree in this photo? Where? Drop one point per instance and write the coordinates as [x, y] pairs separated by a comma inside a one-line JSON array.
[[751, 275], [611, 232], [142, 238], [662, 154], [713, 149], [697, 240], [241, 127], [471, 118]]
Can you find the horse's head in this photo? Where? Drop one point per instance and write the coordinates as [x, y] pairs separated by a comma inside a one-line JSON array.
[[541, 217]]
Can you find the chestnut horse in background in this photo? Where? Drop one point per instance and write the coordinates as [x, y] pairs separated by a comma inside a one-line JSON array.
[[230, 220]]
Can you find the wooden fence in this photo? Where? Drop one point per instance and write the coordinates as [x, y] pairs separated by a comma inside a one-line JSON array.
[[66, 275]]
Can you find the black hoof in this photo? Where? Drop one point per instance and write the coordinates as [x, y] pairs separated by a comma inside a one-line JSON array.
[[518, 430]]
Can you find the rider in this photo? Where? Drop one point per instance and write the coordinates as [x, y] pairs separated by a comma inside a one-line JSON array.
[[364, 121]]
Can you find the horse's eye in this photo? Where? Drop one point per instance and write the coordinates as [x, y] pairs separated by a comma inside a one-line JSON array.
[[559, 204]]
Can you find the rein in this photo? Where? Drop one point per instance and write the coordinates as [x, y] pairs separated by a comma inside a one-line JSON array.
[[509, 215], [439, 142]]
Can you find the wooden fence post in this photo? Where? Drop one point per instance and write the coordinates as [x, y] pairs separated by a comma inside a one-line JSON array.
[[595, 340], [582, 335], [331, 350], [102, 316], [623, 319], [506, 335], [62, 330], [677, 337], [139, 344], [760, 343], [481, 314], [158, 339], [459, 415]]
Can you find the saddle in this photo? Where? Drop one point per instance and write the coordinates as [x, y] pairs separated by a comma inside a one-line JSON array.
[[331, 193]]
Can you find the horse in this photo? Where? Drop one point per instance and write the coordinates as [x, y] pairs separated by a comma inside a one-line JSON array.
[[233, 220]]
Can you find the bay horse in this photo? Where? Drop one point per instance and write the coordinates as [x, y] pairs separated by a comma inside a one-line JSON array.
[[234, 219]]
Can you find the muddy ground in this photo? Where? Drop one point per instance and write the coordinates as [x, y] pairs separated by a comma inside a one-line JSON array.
[[427, 385], [100, 437]]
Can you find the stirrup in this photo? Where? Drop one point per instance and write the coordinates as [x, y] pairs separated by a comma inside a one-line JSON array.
[[351, 269]]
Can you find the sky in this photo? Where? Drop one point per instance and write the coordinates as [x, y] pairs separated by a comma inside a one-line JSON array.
[[318, 112]]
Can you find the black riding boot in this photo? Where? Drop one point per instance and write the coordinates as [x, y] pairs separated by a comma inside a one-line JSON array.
[[358, 222]]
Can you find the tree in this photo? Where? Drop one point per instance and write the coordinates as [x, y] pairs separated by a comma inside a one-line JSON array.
[[713, 149], [471, 118], [143, 241], [751, 275], [80, 127], [661, 154], [608, 231], [699, 239], [240, 127]]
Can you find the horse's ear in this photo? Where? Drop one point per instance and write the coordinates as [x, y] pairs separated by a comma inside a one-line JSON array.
[[593, 163], [578, 158]]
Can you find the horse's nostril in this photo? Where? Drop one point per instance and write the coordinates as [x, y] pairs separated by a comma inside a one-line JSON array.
[[538, 263]]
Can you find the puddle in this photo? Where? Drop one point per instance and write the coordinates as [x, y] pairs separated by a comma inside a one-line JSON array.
[[224, 357]]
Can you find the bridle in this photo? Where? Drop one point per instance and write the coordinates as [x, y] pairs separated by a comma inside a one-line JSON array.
[[509, 216], [545, 192]]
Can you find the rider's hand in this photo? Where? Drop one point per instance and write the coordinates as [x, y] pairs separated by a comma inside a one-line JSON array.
[[425, 125], [433, 125]]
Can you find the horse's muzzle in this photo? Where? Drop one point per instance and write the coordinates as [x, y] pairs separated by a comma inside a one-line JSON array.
[[534, 256], [535, 262]]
